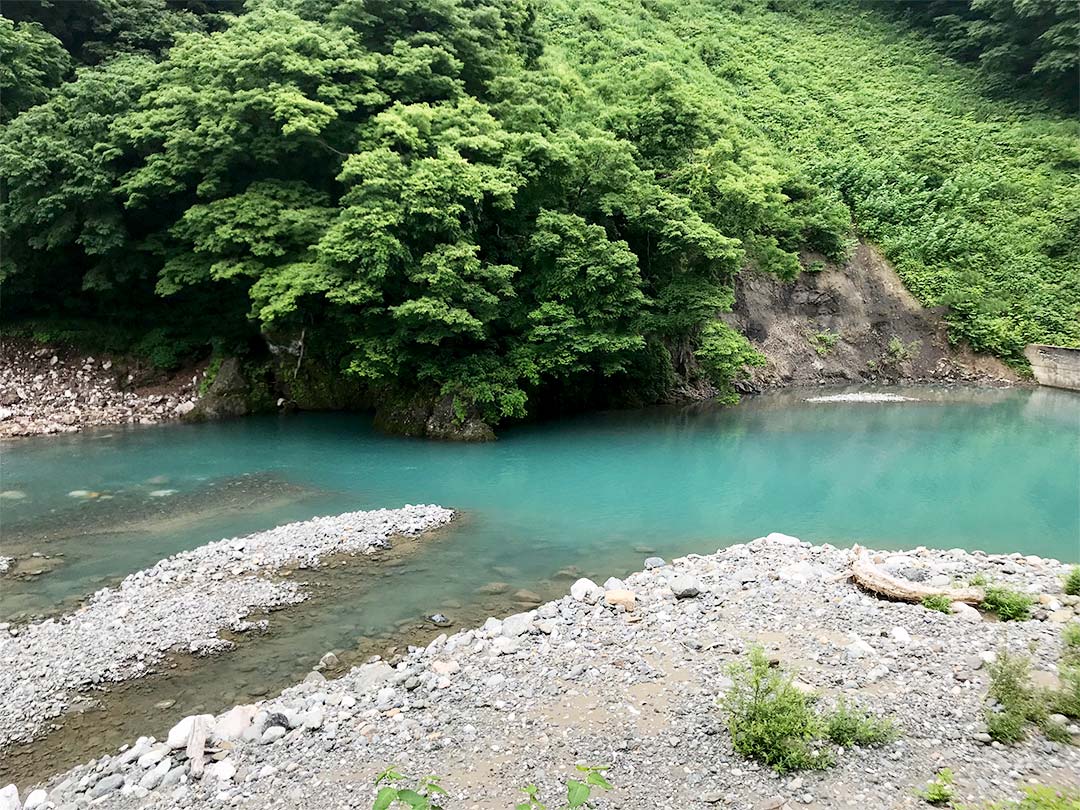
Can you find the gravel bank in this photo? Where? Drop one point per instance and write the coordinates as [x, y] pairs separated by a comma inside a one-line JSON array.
[[579, 679], [182, 602], [862, 397], [46, 390]]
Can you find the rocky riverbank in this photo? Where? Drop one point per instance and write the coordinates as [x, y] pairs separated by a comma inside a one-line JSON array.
[[180, 603], [46, 390], [628, 675]]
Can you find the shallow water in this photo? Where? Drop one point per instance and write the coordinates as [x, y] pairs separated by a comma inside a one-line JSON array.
[[990, 469]]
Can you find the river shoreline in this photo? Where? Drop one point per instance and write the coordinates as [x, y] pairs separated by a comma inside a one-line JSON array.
[[584, 679], [182, 602]]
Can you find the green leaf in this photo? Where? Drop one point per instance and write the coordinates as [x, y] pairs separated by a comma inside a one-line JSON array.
[[577, 793], [384, 798]]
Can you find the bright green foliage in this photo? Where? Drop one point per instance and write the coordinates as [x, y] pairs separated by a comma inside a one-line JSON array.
[[424, 795], [848, 726], [824, 342], [973, 199], [1039, 797], [1007, 604], [409, 183], [938, 602], [578, 791], [770, 720], [1071, 585], [938, 791], [1020, 703], [1034, 43], [32, 63]]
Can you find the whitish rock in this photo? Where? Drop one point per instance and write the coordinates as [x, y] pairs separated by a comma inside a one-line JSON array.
[[35, 800], [493, 626], [684, 586], [153, 777], [106, 785], [621, 597], [153, 756], [329, 661], [614, 584], [313, 718], [966, 612], [859, 649], [9, 798], [654, 562], [272, 734], [222, 771], [585, 590], [516, 625], [900, 635], [180, 734], [782, 539], [233, 723], [446, 667], [801, 572]]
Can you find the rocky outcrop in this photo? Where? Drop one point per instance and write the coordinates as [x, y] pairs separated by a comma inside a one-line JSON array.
[[849, 323], [235, 391], [429, 417]]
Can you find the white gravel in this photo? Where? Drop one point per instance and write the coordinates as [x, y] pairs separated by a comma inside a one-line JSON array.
[[181, 602], [522, 699], [863, 397]]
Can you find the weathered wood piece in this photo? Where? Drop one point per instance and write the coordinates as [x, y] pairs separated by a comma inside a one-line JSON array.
[[875, 578]]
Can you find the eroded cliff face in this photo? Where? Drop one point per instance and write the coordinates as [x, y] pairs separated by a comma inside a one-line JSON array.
[[850, 323]]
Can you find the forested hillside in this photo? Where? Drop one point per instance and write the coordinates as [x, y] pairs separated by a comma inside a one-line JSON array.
[[504, 205]]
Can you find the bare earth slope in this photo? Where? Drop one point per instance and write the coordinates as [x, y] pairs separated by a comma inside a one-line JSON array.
[[847, 324]]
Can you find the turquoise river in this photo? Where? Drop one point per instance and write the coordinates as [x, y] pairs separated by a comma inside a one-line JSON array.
[[997, 470]]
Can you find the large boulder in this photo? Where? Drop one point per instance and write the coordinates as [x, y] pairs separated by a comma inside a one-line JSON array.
[[422, 415], [232, 393]]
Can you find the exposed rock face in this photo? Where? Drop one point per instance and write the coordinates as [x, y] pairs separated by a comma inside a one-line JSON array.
[[230, 394], [421, 416], [849, 324]]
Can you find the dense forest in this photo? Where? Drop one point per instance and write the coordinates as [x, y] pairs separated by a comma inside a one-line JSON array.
[[511, 205]]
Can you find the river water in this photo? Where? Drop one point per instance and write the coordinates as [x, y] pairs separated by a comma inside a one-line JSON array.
[[997, 470]]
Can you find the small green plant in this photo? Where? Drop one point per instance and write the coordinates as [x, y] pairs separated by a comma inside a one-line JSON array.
[[1019, 703], [900, 351], [212, 369], [1038, 797], [938, 602], [422, 796], [848, 726], [1071, 585], [770, 720], [980, 580], [824, 342], [1007, 604], [578, 791], [938, 791], [1070, 644], [815, 266]]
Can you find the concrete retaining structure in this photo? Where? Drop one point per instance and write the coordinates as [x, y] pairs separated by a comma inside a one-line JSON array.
[[1056, 366]]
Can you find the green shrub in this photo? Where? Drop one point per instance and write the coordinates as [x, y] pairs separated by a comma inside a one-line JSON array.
[[824, 342], [1007, 604], [1019, 702], [938, 791], [980, 580], [770, 720], [1039, 797], [1072, 581], [424, 795], [578, 791], [847, 726], [938, 602], [1070, 644]]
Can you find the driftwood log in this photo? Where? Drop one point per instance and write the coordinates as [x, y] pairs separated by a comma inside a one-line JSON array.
[[877, 579]]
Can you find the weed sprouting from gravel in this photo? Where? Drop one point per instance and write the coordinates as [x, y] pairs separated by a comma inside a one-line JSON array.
[[424, 795], [773, 722], [938, 602], [578, 791], [1039, 797], [1071, 585], [848, 726], [938, 791], [1009, 605]]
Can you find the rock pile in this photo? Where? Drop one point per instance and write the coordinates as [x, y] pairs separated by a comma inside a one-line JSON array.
[[45, 390], [628, 675], [181, 602]]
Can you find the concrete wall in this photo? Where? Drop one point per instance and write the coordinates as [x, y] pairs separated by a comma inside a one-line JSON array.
[[1055, 366]]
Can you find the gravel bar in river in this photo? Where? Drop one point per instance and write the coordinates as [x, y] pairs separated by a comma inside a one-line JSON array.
[[181, 602]]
